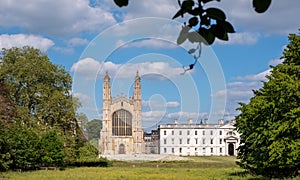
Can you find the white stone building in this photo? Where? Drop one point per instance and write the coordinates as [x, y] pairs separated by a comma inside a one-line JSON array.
[[199, 139], [121, 131]]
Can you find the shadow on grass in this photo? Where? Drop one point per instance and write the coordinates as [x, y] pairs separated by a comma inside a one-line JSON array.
[[246, 174]]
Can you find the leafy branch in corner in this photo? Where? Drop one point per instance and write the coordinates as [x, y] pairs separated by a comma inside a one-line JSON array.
[[204, 24]]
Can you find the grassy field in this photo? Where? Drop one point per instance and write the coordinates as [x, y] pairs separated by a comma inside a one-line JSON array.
[[196, 168]]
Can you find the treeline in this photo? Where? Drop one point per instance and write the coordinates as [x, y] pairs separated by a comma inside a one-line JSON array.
[[38, 125]]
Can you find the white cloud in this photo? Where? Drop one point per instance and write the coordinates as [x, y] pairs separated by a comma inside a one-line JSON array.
[[172, 104], [241, 90], [275, 62], [244, 38], [187, 115], [154, 105], [280, 18], [256, 77], [20, 40], [77, 42], [82, 97], [153, 116], [153, 8], [89, 68], [150, 43], [56, 18], [65, 50]]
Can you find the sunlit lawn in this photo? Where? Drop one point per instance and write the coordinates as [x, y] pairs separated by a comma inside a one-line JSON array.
[[197, 168]]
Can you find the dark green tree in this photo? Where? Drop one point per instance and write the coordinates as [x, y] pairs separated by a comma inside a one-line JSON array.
[[93, 128], [51, 149], [39, 89], [7, 106], [40, 92], [270, 123], [24, 146], [82, 120], [88, 151], [4, 149]]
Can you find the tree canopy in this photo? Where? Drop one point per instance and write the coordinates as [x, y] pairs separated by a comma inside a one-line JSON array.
[[39, 89], [37, 117], [93, 128], [270, 123]]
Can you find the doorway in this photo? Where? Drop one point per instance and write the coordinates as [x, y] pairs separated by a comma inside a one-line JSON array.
[[121, 149], [230, 149]]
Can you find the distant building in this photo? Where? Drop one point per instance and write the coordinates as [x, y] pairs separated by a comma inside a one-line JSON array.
[[152, 142], [199, 139], [121, 131]]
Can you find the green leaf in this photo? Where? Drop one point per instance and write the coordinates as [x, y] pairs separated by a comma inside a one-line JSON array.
[[179, 13], [191, 51], [121, 3], [183, 35], [205, 20], [207, 35], [226, 26], [194, 37], [187, 5], [195, 12], [216, 14], [219, 32], [206, 1], [260, 6], [193, 21]]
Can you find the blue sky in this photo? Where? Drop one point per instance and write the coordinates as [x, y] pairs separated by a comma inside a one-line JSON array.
[[90, 37]]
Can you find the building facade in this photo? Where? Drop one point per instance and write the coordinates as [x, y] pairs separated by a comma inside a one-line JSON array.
[[121, 131], [199, 139], [152, 142]]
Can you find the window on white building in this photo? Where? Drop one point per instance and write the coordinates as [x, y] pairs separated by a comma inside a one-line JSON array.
[[188, 141], [172, 141], [195, 149], [165, 150], [180, 132], [203, 132], [180, 150], [220, 150], [196, 133], [165, 132], [188, 132], [172, 132], [196, 141], [172, 150], [230, 133], [211, 132], [180, 141], [220, 141], [212, 150], [211, 141], [220, 132], [165, 141], [203, 150], [203, 141]]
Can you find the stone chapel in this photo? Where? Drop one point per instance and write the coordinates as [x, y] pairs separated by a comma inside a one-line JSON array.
[[121, 131]]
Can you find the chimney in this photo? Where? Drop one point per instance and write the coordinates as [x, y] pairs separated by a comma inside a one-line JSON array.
[[206, 120], [175, 121], [221, 121], [190, 121]]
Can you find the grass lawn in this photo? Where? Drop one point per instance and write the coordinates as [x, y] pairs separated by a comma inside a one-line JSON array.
[[196, 168]]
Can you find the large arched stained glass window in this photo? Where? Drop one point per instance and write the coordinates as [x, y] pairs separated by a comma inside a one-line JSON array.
[[121, 123]]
